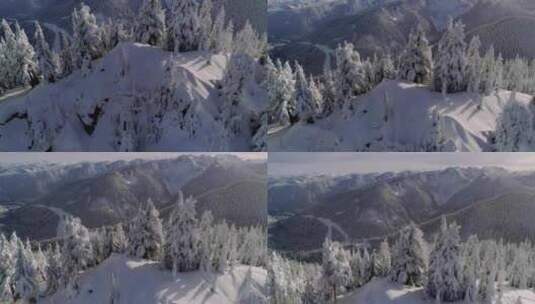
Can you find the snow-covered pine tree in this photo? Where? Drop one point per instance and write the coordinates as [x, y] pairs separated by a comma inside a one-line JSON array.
[[118, 239], [514, 127], [47, 60], [54, 270], [489, 78], [206, 21], [305, 101], [520, 269], [247, 41], [150, 25], [282, 95], [417, 59], [383, 260], [445, 274], [66, 60], [366, 267], [41, 266], [239, 72], [87, 44], [350, 76], [451, 61], [183, 237], [388, 69], [26, 67], [6, 270], [336, 270], [409, 258], [9, 59], [219, 33], [471, 259], [25, 279], [329, 93], [206, 241], [146, 234], [474, 65], [77, 249], [185, 27]]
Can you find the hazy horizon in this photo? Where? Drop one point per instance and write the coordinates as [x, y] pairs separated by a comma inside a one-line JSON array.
[[294, 164], [79, 157]]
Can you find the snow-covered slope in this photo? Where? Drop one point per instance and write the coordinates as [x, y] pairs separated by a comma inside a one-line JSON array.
[[144, 282], [382, 291], [124, 103], [465, 126]]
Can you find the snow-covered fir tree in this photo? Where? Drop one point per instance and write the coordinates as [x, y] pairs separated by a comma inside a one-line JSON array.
[[238, 75], [382, 261], [514, 127], [150, 26], [474, 65], [281, 95], [87, 44], [185, 27], [335, 267], [66, 58], [54, 270], [183, 237], [77, 249], [417, 59], [146, 236], [206, 21], [445, 274], [350, 76], [118, 239], [25, 279], [307, 96], [26, 68], [409, 258], [451, 61], [47, 60]]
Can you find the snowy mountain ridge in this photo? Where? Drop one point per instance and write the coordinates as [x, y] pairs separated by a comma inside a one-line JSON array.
[[467, 122], [133, 108]]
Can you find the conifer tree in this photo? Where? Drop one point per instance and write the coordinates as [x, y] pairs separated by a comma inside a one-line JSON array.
[[146, 234], [451, 62], [409, 258], [417, 59], [47, 60], [185, 28], [150, 26]]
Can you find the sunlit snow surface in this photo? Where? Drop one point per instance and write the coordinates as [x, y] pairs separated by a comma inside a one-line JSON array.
[[382, 291], [144, 282], [465, 125]]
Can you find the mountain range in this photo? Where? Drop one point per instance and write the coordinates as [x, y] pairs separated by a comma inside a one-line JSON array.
[[107, 193], [309, 32], [490, 202]]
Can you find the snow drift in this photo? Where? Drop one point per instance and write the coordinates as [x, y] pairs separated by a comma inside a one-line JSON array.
[[143, 282], [401, 116], [382, 291], [136, 98]]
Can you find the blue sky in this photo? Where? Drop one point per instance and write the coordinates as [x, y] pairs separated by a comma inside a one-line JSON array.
[[75, 157], [344, 163]]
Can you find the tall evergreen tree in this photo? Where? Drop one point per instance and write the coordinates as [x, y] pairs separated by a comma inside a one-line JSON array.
[[182, 248], [185, 28], [150, 26], [409, 258], [417, 59], [146, 233], [451, 62], [47, 60], [445, 274]]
